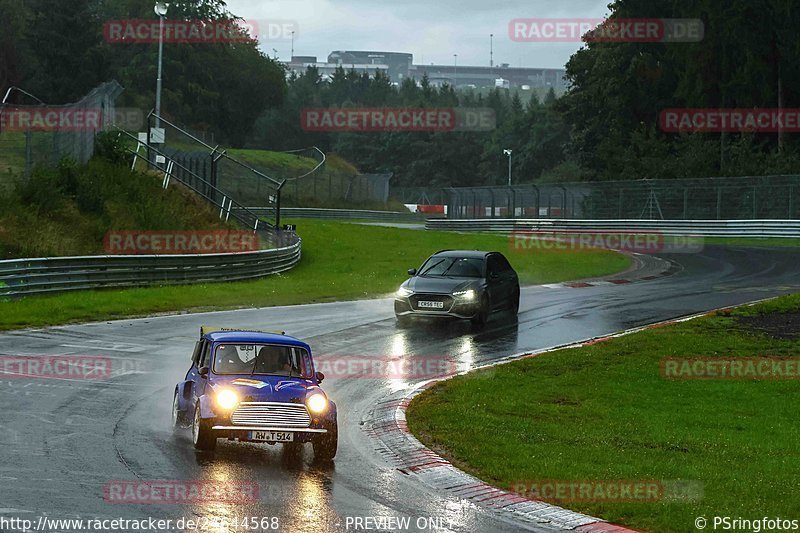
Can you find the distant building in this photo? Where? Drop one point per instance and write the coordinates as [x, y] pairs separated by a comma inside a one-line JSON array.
[[398, 63], [299, 64], [399, 66], [467, 76]]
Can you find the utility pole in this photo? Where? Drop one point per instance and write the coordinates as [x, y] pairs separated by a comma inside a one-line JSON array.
[[508, 153], [161, 11], [491, 54]]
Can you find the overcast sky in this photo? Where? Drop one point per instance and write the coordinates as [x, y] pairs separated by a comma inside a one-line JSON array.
[[432, 30]]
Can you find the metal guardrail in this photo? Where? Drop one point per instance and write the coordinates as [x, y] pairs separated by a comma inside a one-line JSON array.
[[22, 277], [341, 214], [704, 228]]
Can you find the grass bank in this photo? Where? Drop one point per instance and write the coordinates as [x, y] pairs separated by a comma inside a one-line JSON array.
[[341, 261], [67, 210], [605, 412]]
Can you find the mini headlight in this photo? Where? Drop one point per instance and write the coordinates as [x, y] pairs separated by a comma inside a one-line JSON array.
[[402, 291], [227, 399], [465, 295], [317, 403]]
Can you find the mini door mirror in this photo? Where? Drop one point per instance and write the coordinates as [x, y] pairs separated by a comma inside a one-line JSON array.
[[203, 371], [412, 271], [320, 377]]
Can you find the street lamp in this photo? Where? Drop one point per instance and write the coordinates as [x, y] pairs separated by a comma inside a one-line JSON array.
[[491, 54], [508, 153], [455, 69], [161, 11]]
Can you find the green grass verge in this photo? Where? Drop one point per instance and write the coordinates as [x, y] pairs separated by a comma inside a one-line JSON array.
[[603, 412], [753, 241], [340, 262]]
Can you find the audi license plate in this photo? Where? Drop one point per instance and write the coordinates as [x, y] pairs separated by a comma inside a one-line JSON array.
[[432, 305], [272, 436]]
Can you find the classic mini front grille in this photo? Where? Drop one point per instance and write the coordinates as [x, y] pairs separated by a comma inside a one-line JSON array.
[[445, 299], [271, 415]]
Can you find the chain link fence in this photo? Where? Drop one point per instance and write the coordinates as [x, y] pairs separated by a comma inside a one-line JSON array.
[[43, 135], [419, 195], [748, 197]]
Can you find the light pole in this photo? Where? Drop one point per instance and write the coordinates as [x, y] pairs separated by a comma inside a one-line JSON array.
[[508, 153], [455, 69], [290, 59], [491, 54], [161, 11]]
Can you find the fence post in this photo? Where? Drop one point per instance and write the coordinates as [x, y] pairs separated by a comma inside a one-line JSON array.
[[28, 154], [213, 179], [685, 203], [278, 208], [719, 202]]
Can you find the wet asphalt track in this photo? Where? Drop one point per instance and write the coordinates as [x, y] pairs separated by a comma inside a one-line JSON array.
[[63, 440]]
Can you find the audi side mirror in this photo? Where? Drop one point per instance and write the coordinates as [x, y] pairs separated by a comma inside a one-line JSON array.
[[412, 271]]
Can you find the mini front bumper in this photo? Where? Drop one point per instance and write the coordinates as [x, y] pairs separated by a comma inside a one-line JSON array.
[[242, 433]]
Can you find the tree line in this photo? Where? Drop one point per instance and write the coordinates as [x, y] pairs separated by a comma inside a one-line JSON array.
[[57, 51], [606, 126]]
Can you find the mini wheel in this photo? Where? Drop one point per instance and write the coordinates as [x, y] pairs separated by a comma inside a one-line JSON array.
[[325, 446], [202, 435]]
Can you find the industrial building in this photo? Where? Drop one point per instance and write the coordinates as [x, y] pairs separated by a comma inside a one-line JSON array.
[[399, 66]]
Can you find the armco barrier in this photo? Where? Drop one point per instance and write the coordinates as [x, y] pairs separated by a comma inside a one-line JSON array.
[[704, 228], [20, 277], [340, 214]]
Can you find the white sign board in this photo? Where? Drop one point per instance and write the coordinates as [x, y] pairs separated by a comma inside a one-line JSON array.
[[158, 136]]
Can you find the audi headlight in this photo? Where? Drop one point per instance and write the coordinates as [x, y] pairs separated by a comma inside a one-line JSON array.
[[465, 295], [317, 403], [403, 292], [227, 399]]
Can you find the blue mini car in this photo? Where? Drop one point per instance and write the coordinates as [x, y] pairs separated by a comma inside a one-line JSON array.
[[255, 386]]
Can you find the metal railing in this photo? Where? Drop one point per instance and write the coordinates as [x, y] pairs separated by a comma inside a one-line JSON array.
[[341, 214], [705, 228], [22, 277], [215, 165], [228, 207]]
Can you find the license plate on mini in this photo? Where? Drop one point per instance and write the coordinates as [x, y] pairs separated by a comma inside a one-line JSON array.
[[271, 436], [432, 305]]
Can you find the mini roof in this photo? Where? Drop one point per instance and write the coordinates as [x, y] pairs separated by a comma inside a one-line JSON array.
[[205, 330], [253, 337], [249, 336]]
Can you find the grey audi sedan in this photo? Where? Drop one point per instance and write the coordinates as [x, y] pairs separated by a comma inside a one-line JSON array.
[[467, 284]]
